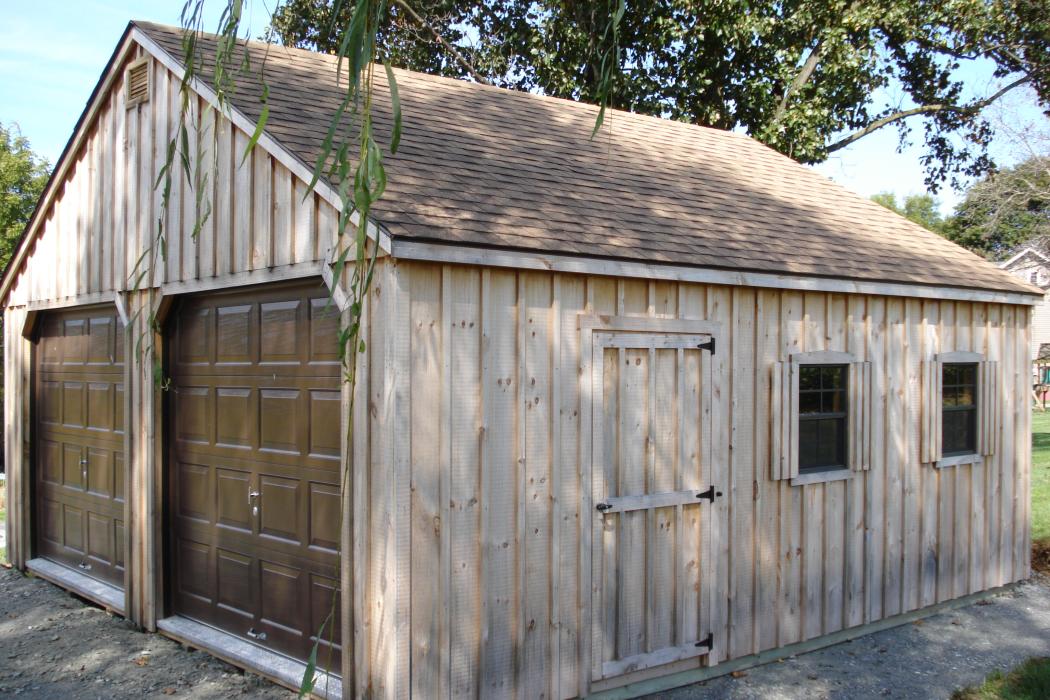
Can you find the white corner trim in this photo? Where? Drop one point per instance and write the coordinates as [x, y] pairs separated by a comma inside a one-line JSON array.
[[490, 257], [267, 142], [822, 477]]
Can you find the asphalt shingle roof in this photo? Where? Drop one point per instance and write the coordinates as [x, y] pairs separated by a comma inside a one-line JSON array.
[[485, 166]]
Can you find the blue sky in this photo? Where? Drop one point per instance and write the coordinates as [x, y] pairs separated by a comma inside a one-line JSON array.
[[52, 52]]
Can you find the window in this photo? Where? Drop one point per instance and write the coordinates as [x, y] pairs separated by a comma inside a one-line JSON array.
[[959, 409], [822, 417]]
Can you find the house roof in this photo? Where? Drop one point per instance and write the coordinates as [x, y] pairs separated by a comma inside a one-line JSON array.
[[488, 167]]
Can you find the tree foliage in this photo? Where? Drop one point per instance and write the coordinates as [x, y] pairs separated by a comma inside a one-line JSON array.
[[923, 209], [23, 176], [807, 78], [1004, 210]]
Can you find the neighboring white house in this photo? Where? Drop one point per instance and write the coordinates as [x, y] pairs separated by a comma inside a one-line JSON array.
[[1031, 263]]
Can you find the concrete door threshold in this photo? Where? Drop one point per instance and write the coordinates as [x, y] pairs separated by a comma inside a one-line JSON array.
[[243, 654], [104, 594]]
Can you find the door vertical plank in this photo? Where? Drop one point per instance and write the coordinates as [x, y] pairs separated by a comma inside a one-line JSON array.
[[766, 516]]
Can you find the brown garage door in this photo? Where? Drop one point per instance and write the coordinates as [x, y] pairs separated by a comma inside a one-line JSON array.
[[254, 463], [79, 479]]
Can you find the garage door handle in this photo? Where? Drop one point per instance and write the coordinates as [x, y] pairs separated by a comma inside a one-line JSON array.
[[261, 636]]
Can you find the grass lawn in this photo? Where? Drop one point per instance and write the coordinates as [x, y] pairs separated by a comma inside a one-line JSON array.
[[1041, 491], [1040, 475], [1029, 681]]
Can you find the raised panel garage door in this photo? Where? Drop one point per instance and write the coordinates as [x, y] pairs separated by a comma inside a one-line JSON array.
[[79, 460], [254, 464]]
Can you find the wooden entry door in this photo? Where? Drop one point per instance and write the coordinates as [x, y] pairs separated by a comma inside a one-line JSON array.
[[79, 461], [651, 500], [254, 464]]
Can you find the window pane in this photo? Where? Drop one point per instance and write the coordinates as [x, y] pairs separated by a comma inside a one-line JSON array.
[[809, 402], [949, 396], [809, 377], [950, 374], [964, 395], [958, 431], [967, 374], [807, 443], [834, 377], [834, 402]]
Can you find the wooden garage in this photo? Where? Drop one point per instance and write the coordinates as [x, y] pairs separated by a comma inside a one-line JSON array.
[[634, 411]]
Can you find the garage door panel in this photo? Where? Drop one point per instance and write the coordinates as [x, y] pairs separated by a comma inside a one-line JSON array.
[[236, 410], [193, 493], [101, 343], [325, 433], [79, 456], [118, 544], [280, 428], [73, 528], [281, 516], [100, 406], [278, 337], [233, 582], [234, 509], [233, 335], [49, 461], [72, 469], [324, 325], [72, 404], [193, 567], [100, 472], [50, 404], [193, 414], [74, 346], [324, 516]]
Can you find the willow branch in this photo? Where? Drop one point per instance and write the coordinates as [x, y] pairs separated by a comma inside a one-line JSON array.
[[972, 108], [460, 58]]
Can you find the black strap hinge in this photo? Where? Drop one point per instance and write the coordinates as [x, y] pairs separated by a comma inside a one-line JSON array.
[[709, 346], [708, 642], [602, 507], [710, 494]]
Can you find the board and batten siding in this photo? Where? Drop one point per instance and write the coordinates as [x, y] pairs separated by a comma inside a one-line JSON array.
[[474, 475], [93, 245], [256, 215]]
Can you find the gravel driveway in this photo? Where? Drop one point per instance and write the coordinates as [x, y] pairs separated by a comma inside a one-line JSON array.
[[927, 659], [53, 645]]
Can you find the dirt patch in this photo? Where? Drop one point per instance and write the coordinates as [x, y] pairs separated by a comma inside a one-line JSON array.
[[1041, 556], [53, 645]]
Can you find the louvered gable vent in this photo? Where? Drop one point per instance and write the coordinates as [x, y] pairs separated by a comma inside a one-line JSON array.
[[136, 83]]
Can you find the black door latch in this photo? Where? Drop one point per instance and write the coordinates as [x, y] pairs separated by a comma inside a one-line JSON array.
[[602, 507], [710, 494]]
